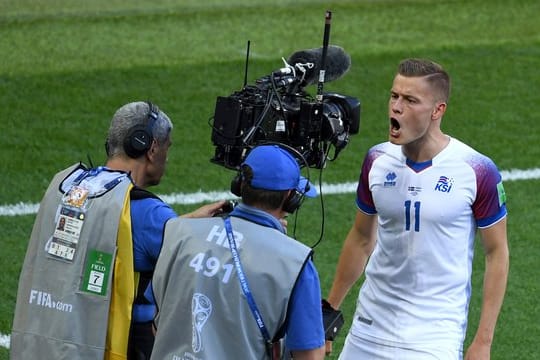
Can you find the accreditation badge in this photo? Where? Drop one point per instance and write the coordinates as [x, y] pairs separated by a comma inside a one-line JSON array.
[[96, 272], [68, 227]]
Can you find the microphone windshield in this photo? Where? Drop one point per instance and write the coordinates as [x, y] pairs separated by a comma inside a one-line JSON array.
[[337, 64]]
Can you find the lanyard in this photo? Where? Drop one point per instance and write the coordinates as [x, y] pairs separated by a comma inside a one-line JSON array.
[[244, 282], [87, 173], [94, 172]]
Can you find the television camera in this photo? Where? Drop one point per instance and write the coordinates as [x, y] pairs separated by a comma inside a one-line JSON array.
[[276, 108]]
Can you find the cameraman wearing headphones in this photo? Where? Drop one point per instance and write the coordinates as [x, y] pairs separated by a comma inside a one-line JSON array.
[[92, 252], [233, 287]]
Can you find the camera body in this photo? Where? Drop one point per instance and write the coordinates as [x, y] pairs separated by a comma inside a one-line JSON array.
[[277, 109]]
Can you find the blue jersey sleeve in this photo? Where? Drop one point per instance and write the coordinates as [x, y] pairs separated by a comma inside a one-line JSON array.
[[304, 330]]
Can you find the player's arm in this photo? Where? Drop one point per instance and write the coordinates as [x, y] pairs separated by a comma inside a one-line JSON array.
[[355, 252], [494, 239]]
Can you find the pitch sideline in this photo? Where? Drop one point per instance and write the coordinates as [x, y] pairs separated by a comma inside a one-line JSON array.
[[23, 208]]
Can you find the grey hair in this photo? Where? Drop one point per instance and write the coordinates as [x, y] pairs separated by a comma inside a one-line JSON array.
[[130, 115]]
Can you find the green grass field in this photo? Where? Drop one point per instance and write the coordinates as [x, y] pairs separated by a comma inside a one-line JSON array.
[[68, 65]]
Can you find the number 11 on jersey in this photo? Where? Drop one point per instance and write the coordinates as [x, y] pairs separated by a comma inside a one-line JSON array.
[[416, 209]]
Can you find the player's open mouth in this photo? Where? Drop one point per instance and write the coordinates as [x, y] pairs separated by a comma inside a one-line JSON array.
[[395, 124], [394, 128]]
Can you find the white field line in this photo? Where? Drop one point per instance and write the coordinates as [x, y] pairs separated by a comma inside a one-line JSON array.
[[4, 341], [23, 208], [201, 197]]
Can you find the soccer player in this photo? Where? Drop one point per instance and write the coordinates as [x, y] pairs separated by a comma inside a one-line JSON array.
[[421, 197]]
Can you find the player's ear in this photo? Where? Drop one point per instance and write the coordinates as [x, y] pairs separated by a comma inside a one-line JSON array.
[[438, 111]]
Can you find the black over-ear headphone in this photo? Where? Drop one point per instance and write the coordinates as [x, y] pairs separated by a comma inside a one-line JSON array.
[[236, 183], [293, 200], [139, 138]]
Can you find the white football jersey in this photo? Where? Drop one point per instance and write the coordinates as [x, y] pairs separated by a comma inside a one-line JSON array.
[[417, 285]]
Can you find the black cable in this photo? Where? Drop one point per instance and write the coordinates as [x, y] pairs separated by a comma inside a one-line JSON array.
[[323, 217]]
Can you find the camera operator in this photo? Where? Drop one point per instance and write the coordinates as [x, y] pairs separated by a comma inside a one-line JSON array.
[[232, 287], [95, 242]]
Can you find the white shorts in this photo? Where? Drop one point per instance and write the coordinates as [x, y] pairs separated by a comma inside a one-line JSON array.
[[359, 348]]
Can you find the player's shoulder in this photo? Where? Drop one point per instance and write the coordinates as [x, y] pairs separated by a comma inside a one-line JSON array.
[[472, 157], [384, 149]]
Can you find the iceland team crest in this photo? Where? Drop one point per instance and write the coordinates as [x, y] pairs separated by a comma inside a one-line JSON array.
[[444, 184]]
